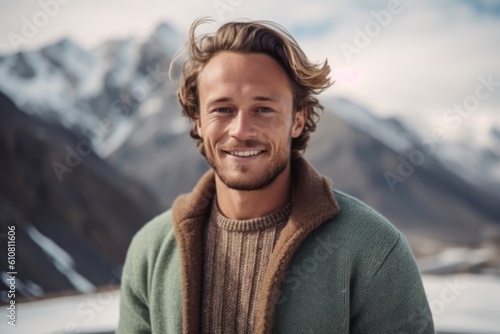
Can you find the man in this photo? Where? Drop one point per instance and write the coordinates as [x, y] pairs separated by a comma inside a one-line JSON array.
[[263, 244]]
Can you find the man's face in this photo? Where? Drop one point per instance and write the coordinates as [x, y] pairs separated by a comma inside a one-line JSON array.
[[246, 119]]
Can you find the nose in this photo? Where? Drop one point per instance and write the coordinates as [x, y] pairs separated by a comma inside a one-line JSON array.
[[242, 126]]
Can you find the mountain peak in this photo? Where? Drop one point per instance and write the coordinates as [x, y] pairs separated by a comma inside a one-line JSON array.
[[165, 34], [164, 37], [67, 54], [65, 45]]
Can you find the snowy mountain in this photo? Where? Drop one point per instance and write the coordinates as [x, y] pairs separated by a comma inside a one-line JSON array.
[[120, 97], [121, 90], [73, 223], [479, 166], [97, 92], [74, 234]]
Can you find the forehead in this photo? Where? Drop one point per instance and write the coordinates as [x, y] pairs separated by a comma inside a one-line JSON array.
[[230, 70]]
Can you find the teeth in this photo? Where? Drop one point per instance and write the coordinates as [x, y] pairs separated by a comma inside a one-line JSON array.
[[245, 153]]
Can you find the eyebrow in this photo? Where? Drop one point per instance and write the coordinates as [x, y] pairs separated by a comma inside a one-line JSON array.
[[255, 98]]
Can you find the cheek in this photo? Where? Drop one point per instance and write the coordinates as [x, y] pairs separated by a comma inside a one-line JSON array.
[[212, 133], [279, 133], [204, 124]]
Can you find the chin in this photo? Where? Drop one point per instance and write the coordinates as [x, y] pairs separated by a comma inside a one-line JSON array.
[[245, 182]]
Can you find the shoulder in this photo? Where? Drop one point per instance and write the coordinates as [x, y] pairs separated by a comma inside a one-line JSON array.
[[149, 239], [364, 241], [156, 229], [353, 208], [360, 218], [359, 234]]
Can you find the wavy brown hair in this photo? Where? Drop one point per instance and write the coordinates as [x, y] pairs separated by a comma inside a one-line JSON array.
[[307, 78]]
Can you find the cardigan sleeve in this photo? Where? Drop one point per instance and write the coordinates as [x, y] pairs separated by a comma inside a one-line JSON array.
[[394, 300], [134, 309]]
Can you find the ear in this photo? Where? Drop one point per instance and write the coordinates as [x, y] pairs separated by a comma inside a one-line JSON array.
[[299, 122]]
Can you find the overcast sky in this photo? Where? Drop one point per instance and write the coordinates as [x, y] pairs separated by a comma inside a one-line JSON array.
[[421, 59]]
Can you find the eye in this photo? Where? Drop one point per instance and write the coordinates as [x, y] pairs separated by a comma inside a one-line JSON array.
[[222, 110], [264, 110]]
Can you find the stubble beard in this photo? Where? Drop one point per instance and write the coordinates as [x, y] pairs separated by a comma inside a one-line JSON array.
[[263, 178]]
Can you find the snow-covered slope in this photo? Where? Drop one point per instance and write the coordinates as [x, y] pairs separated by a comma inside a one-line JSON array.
[[86, 313], [478, 165], [462, 303], [96, 92]]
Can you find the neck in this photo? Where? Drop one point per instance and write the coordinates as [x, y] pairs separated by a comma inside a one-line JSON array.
[[241, 205]]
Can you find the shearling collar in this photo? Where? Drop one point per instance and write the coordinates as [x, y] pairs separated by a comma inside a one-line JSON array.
[[313, 204]]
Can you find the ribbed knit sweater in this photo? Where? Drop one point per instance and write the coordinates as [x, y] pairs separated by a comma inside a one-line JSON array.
[[236, 257]]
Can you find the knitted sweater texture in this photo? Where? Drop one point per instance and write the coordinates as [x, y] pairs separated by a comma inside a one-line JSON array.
[[236, 257], [337, 267]]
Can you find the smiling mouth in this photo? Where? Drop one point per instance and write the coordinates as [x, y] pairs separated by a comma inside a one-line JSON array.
[[245, 153]]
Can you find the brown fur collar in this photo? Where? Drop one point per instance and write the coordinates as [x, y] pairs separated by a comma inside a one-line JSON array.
[[313, 204]]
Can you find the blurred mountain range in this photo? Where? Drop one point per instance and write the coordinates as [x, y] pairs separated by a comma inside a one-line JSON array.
[[113, 111], [70, 235]]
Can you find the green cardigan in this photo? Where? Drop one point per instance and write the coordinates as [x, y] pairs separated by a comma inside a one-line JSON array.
[[350, 273]]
